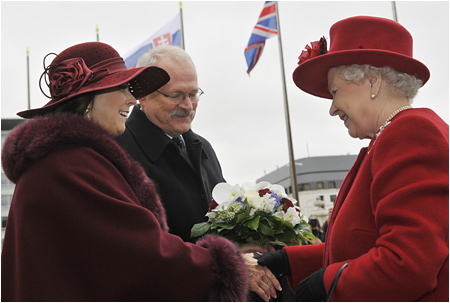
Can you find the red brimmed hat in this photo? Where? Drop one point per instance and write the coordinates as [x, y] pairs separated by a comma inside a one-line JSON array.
[[90, 67], [358, 40]]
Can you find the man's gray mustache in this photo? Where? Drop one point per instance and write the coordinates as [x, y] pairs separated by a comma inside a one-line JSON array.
[[181, 113]]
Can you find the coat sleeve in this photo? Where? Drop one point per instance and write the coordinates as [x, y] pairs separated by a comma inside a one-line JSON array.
[[303, 260], [409, 201], [76, 232]]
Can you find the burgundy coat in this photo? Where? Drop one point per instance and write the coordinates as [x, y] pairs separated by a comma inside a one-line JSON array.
[[390, 220], [78, 229]]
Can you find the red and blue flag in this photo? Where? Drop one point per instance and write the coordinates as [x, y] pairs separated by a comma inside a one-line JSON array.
[[265, 28], [169, 34]]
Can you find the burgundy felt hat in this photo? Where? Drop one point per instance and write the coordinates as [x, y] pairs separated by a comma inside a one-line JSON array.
[[90, 67], [358, 40]]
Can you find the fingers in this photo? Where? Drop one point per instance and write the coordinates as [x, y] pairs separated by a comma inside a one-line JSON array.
[[263, 282], [260, 288], [272, 279]]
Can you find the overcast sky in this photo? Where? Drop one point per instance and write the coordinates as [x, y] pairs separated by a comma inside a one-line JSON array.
[[242, 116]]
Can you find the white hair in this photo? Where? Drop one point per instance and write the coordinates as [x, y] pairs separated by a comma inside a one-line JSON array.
[[152, 57], [401, 84]]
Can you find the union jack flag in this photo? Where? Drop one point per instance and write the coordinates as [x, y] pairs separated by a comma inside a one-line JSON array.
[[265, 28]]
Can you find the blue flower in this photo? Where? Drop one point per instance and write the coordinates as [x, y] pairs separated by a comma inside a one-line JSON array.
[[276, 198], [242, 202]]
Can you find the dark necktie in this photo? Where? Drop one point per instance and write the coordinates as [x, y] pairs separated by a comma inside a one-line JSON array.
[[180, 143]]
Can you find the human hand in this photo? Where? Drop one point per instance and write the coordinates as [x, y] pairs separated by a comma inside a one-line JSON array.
[[277, 261], [255, 249], [262, 281]]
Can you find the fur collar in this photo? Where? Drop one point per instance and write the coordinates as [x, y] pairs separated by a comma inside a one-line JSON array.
[[38, 137]]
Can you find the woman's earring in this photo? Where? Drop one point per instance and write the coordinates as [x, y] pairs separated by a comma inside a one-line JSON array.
[[87, 113], [372, 95]]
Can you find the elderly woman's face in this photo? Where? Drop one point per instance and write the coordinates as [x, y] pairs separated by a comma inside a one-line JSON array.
[[351, 102], [111, 110]]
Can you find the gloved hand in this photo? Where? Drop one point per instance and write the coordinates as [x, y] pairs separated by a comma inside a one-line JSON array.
[[312, 288], [277, 261]]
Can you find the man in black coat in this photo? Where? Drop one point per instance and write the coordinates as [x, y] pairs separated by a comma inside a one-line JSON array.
[[185, 172]]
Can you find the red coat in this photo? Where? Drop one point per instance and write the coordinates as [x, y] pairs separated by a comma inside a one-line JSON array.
[[86, 224], [390, 220]]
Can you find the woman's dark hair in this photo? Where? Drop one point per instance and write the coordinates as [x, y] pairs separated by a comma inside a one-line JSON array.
[[79, 104]]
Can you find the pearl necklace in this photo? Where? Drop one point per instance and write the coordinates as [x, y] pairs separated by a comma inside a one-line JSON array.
[[388, 121], [396, 112]]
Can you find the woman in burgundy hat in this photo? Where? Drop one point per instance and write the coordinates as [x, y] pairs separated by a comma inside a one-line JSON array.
[[387, 238], [85, 223]]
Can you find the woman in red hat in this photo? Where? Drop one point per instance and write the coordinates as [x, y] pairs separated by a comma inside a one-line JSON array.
[[387, 238], [85, 223]]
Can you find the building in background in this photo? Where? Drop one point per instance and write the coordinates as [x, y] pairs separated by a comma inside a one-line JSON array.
[[7, 185], [319, 180]]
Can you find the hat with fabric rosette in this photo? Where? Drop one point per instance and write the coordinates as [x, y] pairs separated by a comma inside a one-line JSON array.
[[90, 67], [357, 40]]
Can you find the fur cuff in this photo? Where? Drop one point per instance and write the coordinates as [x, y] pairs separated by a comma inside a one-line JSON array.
[[230, 272]]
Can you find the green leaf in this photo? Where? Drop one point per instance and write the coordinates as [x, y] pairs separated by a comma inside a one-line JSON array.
[[265, 229], [253, 223], [288, 224], [241, 217], [287, 235], [276, 219], [222, 226], [200, 229]]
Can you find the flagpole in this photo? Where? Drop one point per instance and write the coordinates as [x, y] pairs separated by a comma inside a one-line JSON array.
[[182, 27], [28, 77], [98, 37], [394, 11], [286, 111]]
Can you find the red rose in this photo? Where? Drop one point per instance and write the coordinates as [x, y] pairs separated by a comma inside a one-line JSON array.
[[264, 191], [317, 48], [212, 205], [69, 76], [287, 204]]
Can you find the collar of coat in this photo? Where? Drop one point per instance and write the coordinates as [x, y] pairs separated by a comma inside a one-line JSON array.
[[141, 128], [36, 138]]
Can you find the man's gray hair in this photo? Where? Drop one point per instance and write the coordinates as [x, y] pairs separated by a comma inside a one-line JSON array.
[[152, 57], [401, 84]]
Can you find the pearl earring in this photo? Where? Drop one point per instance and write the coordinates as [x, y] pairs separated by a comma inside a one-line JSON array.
[[87, 113], [372, 95]]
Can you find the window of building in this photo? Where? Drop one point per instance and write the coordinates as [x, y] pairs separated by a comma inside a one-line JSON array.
[[304, 186], [319, 185], [332, 198], [331, 184]]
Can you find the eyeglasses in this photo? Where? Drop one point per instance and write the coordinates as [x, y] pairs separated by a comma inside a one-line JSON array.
[[177, 98]]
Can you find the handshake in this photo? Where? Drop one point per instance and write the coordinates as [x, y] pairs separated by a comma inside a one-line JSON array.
[[264, 269]]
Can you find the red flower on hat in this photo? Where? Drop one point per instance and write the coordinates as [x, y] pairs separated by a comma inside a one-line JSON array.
[[317, 48], [69, 76]]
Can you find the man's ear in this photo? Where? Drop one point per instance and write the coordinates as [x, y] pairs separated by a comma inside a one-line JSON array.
[[143, 100]]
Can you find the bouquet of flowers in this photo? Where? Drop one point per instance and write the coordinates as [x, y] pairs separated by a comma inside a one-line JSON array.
[[254, 213]]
